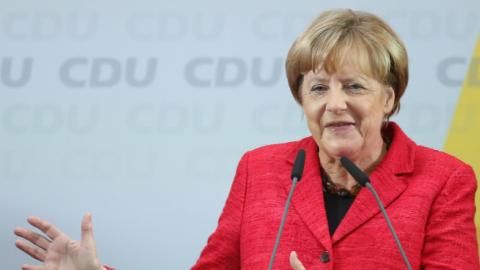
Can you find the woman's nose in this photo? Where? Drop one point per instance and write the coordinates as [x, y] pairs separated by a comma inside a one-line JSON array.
[[336, 101]]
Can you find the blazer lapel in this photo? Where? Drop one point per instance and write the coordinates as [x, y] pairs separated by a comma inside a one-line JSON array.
[[307, 199], [364, 207], [387, 181]]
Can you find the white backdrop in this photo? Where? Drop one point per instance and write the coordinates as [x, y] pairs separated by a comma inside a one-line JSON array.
[[138, 111]]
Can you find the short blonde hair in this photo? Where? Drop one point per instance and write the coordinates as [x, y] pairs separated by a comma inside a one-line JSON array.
[[335, 35]]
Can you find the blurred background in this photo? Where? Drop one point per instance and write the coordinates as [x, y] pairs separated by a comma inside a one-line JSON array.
[[138, 111]]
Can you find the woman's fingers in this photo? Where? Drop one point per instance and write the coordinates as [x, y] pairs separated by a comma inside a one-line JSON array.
[[33, 237], [45, 227], [32, 267], [295, 262], [88, 240], [34, 252]]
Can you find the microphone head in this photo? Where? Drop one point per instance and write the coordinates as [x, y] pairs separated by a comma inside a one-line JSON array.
[[354, 171], [298, 165]]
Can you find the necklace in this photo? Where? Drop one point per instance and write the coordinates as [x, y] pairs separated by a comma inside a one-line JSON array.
[[332, 188]]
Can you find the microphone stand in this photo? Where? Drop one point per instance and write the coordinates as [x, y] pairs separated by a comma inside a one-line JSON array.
[[297, 172], [284, 218], [389, 224], [363, 180]]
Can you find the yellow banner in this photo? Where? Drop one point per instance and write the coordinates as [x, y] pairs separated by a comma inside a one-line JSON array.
[[464, 134]]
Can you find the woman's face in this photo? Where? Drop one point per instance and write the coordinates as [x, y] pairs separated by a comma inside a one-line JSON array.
[[345, 111]]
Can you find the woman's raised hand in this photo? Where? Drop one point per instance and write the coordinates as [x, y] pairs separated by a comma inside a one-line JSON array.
[[295, 263], [56, 250]]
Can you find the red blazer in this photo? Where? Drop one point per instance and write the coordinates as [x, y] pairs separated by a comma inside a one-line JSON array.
[[428, 195]]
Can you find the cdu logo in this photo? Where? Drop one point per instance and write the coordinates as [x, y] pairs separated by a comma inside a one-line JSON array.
[[41, 26], [427, 24], [83, 72], [175, 118], [175, 26], [15, 73], [233, 72], [49, 118], [450, 66]]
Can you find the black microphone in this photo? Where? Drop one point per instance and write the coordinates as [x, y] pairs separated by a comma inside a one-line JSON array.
[[362, 178], [296, 175], [354, 171], [298, 165]]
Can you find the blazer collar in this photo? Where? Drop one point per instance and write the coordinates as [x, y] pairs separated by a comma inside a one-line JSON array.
[[386, 179], [308, 197], [399, 159]]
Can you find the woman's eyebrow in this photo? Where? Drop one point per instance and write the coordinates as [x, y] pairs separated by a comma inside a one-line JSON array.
[[319, 80], [356, 78]]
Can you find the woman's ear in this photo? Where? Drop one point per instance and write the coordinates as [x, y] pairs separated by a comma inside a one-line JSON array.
[[389, 100]]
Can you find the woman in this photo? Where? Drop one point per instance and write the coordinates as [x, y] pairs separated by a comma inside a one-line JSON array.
[[348, 71]]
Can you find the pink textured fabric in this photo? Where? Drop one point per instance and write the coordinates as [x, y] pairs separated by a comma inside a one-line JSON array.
[[428, 195]]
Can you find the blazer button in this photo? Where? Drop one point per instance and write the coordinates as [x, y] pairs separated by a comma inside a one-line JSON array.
[[325, 257]]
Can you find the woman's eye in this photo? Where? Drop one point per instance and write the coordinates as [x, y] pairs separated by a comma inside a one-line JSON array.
[[319, 88], [355, 87]]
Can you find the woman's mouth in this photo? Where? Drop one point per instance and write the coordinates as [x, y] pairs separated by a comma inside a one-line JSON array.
[[340, 126]]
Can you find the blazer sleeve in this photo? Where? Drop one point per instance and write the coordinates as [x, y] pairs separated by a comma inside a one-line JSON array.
[[450, 240], [223, 247]]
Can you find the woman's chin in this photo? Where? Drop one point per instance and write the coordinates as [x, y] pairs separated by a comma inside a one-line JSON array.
[[338, 150]]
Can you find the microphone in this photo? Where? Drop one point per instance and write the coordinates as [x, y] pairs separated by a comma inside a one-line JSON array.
[[296, 175], [362, 178]]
